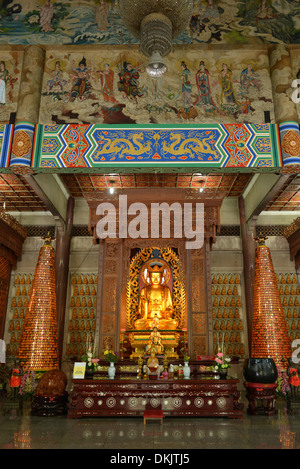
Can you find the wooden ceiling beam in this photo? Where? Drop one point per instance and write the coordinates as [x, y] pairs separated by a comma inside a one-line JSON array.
[[263, 190], [53, 194]]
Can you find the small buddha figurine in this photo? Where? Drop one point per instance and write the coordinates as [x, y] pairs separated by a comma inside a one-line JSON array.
[[155, 322], [153, 363], [155, 303], [155, 342]]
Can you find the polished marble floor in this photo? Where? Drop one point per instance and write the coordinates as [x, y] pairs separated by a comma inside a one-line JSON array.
[[20, 430]]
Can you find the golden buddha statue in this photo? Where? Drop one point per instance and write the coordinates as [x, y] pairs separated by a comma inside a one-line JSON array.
[[155, 342], [155, 304]]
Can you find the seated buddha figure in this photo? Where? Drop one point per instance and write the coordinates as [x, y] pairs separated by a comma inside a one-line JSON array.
[[152, 362], [155, 302], [155, 342]]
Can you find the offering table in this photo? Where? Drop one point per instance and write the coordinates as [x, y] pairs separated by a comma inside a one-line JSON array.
[[178, 398]]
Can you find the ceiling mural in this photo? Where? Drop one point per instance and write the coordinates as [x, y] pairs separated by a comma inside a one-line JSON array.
[[99, 22], [112, 87]]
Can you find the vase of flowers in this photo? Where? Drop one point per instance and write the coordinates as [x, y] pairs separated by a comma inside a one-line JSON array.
[[112, 358], [222, 364], [91, 365], [186, 368]]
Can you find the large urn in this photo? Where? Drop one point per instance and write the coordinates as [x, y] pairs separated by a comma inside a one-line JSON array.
[[260, 370]]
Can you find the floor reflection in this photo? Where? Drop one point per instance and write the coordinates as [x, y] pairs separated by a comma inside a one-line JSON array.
[[20, 430]]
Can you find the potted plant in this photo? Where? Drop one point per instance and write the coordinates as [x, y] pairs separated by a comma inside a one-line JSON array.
[[222, 364]]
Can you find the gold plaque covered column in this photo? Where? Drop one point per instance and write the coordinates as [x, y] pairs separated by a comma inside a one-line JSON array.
[[38, 348], [269, 333]]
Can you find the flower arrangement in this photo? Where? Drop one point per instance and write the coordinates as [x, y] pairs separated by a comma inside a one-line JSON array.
[[110, 356], [283, 387], [27, 386], [184, 352], [221, 362], [91, 363]]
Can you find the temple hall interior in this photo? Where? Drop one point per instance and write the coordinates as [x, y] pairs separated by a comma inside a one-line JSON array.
[[149, 225]]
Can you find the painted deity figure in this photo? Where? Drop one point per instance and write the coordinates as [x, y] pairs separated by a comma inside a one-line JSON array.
[[4, 75], [155, 301], [107, 83], [264, 11], [129, 80], [225, 79], [211, 10], [57, 78], [101, 15], [249, 78], [46, 15], [81, 85], [203, 86], [185, 85]]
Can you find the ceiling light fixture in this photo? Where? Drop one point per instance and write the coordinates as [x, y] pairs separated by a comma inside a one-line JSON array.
[[201, 188], [111, 187], [156, 23]]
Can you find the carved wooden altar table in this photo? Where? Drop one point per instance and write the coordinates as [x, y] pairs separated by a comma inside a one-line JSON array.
[[178, 398]]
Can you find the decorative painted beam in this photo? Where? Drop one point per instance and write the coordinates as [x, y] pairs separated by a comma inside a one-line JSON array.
[[92, 147]]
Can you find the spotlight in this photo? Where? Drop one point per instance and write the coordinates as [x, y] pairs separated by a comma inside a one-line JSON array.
[[156, 66], [111, 188]]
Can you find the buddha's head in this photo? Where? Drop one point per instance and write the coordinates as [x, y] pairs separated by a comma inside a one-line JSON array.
[[156, 275]]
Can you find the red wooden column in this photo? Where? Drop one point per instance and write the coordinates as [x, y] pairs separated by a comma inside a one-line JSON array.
[[62, 257]]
